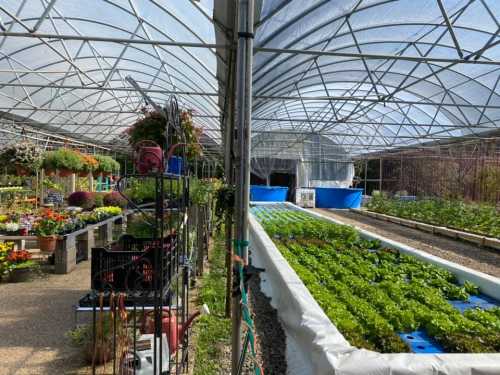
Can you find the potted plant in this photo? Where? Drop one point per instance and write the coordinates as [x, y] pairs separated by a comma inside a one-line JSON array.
[[5, 249], [89, 164], [20, 266], [46, 228], [107, 165], [83, 199], [25, 156], [151, 127], [64, 160], [114, 198]]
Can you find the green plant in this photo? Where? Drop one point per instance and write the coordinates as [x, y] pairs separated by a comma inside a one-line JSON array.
[[212, 331], [224, 203], [51, 185], [152, 127], [5, 249], [49, 223], [24, 154], [477, 218], [63, 159], [114, 198], [110, 210], [372, 293], [99, 199], [107, 164], [201, 191]]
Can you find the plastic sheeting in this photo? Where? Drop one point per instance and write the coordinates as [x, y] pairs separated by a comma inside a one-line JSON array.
[[317, 347], [315, 160]]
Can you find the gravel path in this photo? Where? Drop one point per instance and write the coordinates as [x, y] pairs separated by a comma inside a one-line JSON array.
[[480, 259], [34, 317], [270, 337]]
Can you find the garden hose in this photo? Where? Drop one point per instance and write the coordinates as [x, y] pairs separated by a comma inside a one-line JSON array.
[[247, 318]]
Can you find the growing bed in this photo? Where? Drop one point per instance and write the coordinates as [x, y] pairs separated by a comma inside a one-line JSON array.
[[379, 300]]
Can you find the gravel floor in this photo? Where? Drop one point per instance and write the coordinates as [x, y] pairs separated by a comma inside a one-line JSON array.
[[34, 317], [480, 259], [271, 339]]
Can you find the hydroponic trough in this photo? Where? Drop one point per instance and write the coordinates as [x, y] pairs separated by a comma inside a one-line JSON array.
[[315, 346]]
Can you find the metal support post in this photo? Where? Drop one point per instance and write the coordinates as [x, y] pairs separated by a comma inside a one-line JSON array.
[[244, 109]]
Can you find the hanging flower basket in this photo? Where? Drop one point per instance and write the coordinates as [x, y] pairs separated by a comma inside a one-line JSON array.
[[83, 174], [47, 243], [24, 156], [50, 172]]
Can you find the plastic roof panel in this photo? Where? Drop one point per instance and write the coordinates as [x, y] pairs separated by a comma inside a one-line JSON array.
[[70, 83], [406, 101]]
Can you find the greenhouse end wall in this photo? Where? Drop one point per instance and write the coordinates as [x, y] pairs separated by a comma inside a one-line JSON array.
[[315, 346]]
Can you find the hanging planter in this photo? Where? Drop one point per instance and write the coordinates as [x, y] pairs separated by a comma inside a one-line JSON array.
[[107, 166], [24, 156], [64, 160], [89, 165]]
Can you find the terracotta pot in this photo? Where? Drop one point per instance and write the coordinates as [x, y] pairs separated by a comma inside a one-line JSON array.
[[20, 275], [65, 172], [22, 171], [23, 231], [47, 244], [83, 174], [50, 172]]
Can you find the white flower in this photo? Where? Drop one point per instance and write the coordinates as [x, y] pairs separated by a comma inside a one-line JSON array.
[[11, 227]]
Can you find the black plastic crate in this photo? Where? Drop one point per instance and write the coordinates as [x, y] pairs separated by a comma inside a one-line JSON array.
[[128, 265]]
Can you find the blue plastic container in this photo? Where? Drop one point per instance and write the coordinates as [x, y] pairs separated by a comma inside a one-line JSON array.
[[262, 193], [175, 165], [338, 197]]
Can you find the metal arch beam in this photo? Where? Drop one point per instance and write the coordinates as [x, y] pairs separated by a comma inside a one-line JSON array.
[[411, 92], [100, 88], [370, 100], [78, 87], [44, 14], [110, 40], [378, 124], [125, 40], [332, 63], [306, 11], [327, 23], [145, 52], [450, 29], [337, 53]]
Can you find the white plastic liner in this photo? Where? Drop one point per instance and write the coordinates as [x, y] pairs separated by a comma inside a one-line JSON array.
[[317, 347]]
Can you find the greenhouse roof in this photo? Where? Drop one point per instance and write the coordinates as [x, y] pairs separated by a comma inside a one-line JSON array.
[[369, 74]]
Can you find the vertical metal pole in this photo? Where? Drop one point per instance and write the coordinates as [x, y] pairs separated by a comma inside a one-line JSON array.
[[228, 172], [380, 176], [244, 110], [366, 175]]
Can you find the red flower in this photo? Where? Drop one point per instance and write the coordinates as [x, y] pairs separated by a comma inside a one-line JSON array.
[[19, 256]]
